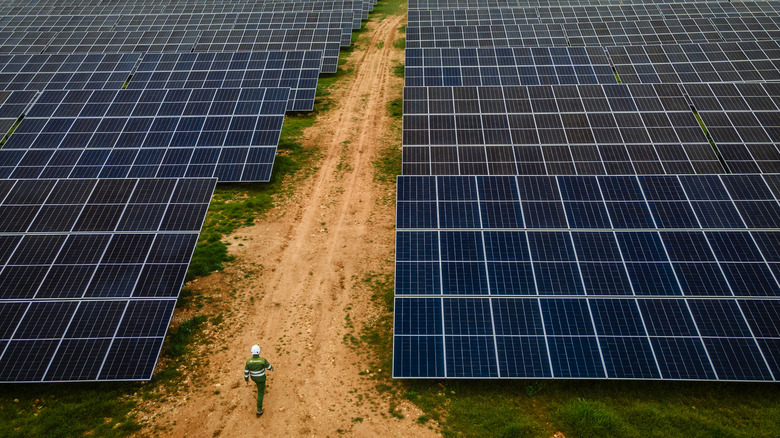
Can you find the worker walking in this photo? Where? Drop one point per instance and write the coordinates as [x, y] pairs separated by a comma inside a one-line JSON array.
[[255, 367]]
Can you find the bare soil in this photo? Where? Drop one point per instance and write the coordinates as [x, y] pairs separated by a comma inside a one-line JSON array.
[[297, 273]]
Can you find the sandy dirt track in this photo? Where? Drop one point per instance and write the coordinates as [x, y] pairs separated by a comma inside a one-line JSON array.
[[314, 249]]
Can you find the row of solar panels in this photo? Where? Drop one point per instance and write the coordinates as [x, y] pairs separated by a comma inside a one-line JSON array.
[[674, 64], [484, 4], [595, 13], [326, 40], [619, 277], [610, 34], [603, 129], [297, 70], [189, 21], [603, 237], [360, 7], [116, 140]]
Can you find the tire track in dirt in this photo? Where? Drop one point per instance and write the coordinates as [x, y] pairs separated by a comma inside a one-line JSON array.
[[313, 250]]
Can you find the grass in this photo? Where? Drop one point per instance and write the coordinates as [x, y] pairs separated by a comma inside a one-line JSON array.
[[599, 408], [709, 138], [395, 107], [58, 410], [617, 76], [11, 131], [398, 70]]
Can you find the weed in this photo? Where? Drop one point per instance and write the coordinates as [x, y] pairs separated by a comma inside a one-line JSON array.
[[380, 45], [586, 419], [400, 43], [533, 388], [398, 71], [180, 337], [395, 108]]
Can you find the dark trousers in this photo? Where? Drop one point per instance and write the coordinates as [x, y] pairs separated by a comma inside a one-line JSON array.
[[260, 381]]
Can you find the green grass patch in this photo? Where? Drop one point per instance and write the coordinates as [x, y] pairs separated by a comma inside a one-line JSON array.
[[599, 408], [11, 131], [709, 138], [398, 70], [396, 108], [389, 7], [617, 76], [66, 410], [180, 337], [588, 419], [399, 43]]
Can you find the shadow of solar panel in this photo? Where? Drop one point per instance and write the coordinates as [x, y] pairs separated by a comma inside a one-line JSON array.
[[99, 322], [228, 133]]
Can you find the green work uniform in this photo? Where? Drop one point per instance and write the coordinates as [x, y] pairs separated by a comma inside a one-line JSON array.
[[255, 368]]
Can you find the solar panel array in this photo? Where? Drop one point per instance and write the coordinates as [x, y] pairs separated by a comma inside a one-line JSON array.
[[590, 190], [90, 273], [117, 121], [228, 133]]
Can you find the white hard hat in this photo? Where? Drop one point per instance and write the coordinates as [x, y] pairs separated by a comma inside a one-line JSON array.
[[255, 349]]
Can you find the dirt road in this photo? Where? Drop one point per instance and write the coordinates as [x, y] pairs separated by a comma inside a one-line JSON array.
[[312, 250]]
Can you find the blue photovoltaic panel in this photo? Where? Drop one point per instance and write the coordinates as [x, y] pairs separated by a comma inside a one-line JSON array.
[[507, 66], [72, 72], [638, 287], [228, 133], [89, 273], [297, 70], [89, 41], [611, 129], [743, 120], [253, 40], [684, 63], [12, 106]]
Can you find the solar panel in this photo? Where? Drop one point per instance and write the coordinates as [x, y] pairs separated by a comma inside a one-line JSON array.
[[607, 33], [87, 41], [682, 63], [507, 66], [250, 20], [559, 129], [574, 14], [73, 72], [743, 120], [89, 274], [326, 40], [297, 70], [12, 106], [655, 277], [228, 133]]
